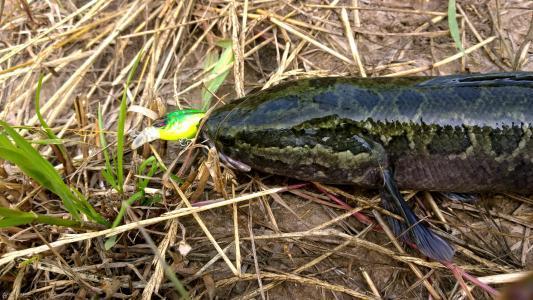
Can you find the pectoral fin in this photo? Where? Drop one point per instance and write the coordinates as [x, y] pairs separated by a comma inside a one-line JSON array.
[[228, 161], [412, 229]]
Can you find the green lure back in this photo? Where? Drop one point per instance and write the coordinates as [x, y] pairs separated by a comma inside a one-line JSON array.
[[177, 125]]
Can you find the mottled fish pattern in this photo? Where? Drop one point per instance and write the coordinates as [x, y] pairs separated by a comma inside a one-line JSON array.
[[464, 133], [458, 133]]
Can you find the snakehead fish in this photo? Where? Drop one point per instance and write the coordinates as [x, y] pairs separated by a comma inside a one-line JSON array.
[[463, 133]]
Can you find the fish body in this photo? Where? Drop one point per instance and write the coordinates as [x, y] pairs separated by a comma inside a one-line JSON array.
[[463, 133]]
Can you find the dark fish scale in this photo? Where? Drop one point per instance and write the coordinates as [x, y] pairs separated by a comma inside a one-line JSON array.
[[367, 98], [505, 140], [326, 101], [469, 94], [410, 102], [449, 140]]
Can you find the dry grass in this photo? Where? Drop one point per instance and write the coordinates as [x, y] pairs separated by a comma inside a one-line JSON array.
[[265, 239]]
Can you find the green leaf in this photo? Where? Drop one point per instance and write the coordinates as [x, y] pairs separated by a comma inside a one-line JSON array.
[[454, 27], [224, 43], [226, 59], [22, 154], [19, 141], [109, 178], [13, 217], [121, 122], [109, 243], [4, 141], [48, 142], [149, 161], [49, 132], [88, 209], [15, 149], [47, 129], [154, 167], [14, 213], [176, 179], [11, 222], [107, 173], [156, 198], [29, 261], [120, 141]]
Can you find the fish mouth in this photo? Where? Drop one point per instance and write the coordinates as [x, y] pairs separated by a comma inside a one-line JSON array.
[[223, 124]]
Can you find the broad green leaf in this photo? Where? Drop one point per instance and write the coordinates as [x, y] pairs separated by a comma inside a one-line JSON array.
[[15, 149], [220, 71], [40, 170]]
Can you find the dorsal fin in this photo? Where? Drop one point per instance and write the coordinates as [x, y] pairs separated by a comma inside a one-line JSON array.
[[510, 78]]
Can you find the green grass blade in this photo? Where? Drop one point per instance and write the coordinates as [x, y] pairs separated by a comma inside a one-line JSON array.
[[149, 161], [109, 178], [154, 167], [120, 141], [144, 183], [29, 261], [88, 209], [107, 173], [121, 122], [110, 242], [12, 217], [48, 142], [125, 205], [452, 24], [43, 173], [14, 213], [16, 221], [19, 141], [178, 286], [47, 129], [4, 141], [211, 59], [20, 152]]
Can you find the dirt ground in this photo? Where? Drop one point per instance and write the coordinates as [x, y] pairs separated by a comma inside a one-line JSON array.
[[291, 244]]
